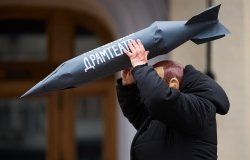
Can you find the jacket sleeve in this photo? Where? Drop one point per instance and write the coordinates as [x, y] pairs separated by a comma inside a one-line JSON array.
[[186, 112], [131, 105]]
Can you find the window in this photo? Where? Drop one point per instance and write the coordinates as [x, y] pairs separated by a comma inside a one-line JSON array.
[[89, 127], [85, 40], [23, 40], [67, 124], [22, 129]]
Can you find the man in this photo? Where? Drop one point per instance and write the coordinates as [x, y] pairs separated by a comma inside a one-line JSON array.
[[172, 107]]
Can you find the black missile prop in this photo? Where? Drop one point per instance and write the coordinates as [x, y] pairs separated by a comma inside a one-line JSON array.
[[159, 38]]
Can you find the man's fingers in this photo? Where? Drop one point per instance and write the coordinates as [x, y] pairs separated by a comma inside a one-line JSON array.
[[127, 53], [125, 72], [146, 54], [131, 46], [140, 44], [136, 45]]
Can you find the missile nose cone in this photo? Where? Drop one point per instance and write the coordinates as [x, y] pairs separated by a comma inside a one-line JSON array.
[[38, 88], [47, 84]]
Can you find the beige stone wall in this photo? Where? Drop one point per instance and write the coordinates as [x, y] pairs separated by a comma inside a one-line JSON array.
[[230, 62], [247, 51], [189, 52]]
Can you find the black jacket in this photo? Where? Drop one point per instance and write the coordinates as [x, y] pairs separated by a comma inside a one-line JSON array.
[[172, 124]]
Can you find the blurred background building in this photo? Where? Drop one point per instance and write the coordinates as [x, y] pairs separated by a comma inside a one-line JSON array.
[[86, 123]]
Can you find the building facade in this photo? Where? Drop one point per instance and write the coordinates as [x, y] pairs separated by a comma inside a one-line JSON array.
[[36, 36]]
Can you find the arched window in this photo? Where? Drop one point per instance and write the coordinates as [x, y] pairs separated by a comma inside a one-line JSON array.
[[71, 124]]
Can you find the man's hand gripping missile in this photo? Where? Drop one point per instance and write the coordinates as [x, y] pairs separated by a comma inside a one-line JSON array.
[[138, 54]]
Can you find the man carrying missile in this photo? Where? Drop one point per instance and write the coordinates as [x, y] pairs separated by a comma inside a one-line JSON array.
[[173, 108]]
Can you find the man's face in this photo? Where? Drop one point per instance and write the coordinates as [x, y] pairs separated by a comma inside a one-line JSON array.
[[173, 83], [160, 71]]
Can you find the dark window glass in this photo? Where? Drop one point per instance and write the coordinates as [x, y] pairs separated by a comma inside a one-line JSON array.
[[23, 40], [85, 41], [22, 129], [89, 127]]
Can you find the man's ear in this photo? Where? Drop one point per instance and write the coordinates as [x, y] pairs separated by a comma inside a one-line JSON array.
[[174, 83]]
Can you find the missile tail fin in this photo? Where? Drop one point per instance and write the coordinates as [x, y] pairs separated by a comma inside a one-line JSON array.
[[215, 32], [209, 14]]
